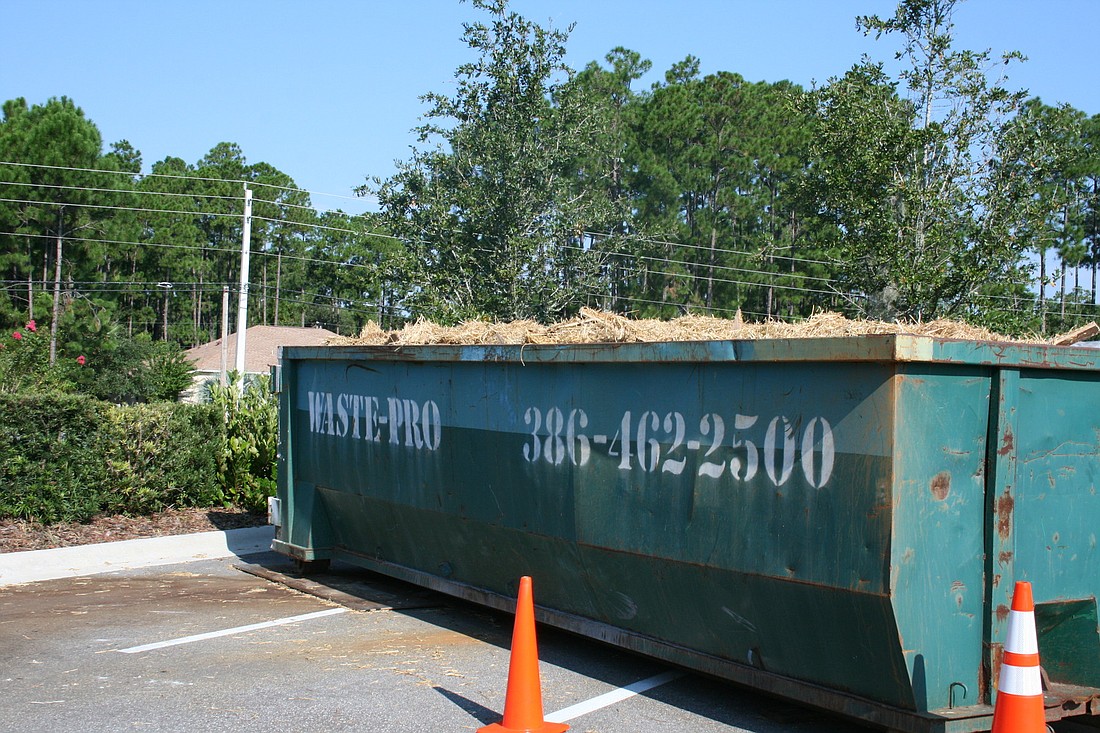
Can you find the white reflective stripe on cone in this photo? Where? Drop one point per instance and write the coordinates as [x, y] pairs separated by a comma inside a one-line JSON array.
[[1021, 633], [1022, 681]]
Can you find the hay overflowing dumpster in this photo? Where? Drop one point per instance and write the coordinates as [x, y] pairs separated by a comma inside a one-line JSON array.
[[835, 519]]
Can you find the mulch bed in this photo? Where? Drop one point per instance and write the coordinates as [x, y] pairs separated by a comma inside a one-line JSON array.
[[17, 535]]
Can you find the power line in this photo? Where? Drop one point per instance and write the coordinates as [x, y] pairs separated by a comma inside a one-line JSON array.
[[323, 227], [310, 208], [316, 260], [704, 278], [792, 275], [140, 175], [164, 288], [667, 304], [342, 230], [120, 208], [148, 175], [119, 190], [707, 248], [199, 248], [139, 192], [727, 281], [229, 215]]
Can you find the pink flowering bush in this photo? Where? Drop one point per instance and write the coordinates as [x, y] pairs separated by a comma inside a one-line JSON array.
[[25, 363]]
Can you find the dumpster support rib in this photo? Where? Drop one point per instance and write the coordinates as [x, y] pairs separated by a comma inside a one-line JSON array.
[[1000, 509]]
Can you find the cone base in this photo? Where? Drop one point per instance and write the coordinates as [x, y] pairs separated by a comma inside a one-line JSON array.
[[1019, 714], [544, 728]]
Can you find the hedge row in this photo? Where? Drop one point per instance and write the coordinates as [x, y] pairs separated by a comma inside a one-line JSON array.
[[70, 457]]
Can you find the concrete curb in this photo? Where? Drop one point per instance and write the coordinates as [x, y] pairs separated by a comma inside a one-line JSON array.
[[68, 562]]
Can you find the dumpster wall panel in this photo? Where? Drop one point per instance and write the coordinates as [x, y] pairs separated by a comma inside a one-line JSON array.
[[938, 552], [729, 469], [1058, 477], [1054, 515]]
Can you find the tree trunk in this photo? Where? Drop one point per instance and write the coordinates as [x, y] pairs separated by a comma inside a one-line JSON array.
[[130, 295], [1063, 288], [793, 233], [195, 306], [45, 267], [56, 290], [198, 319], [710, 271], [265, 293], [1042, 290]]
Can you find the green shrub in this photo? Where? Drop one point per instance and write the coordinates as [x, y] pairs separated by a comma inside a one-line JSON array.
[[70, 457], [164, 455], [168, 371], [138, 370], [52, 449], [251, 419]]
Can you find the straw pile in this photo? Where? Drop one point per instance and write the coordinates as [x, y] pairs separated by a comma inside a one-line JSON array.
[[593, 326]]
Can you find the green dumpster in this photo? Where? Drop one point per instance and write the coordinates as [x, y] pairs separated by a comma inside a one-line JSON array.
[[839, 521]]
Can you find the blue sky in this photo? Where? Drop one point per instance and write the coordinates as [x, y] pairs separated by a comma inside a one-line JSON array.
[[328, 91]]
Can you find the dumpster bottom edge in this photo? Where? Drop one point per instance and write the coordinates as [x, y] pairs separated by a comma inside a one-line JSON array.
[[300, 553]]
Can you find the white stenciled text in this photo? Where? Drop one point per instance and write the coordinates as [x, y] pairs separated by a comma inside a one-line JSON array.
[[396, 421], [653, 442]]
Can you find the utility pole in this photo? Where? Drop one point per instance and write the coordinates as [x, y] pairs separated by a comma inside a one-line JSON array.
[[242, 303], [225, 335]]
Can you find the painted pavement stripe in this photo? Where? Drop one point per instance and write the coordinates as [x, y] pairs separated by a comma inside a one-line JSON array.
[[610, 698], [235, 630]]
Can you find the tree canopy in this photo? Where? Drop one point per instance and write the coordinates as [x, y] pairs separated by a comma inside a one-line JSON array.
[[535, 189]]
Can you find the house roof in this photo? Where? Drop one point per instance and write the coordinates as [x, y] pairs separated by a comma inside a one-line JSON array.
[[261, 347]]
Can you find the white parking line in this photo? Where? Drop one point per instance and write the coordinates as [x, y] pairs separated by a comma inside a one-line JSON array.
[[235, 630], [610, 698]]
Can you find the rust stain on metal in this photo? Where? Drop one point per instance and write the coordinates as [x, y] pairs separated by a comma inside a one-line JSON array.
[[996, 655], [1002, 613], [1005, 505], [941, 485], [959, 589], [1008, 442], [1005, 558]]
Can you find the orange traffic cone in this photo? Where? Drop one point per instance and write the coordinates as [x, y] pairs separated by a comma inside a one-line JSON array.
[[1019, 707], [523, 700]]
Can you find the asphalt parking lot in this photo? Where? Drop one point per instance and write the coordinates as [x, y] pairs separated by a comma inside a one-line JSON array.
[[216, 645], [207, 646]]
